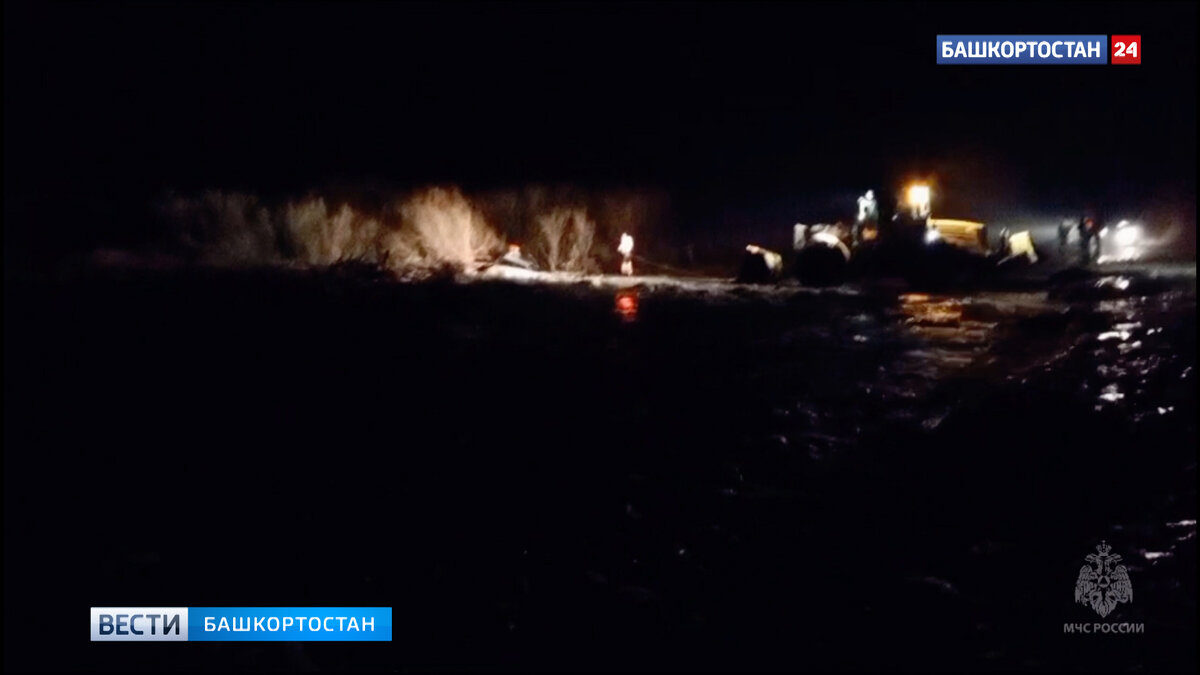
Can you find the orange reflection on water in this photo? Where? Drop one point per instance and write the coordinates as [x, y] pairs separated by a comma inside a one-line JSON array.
[[921, 309], [627, 304]]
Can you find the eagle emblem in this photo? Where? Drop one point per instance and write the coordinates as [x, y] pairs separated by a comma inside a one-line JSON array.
[[1103, 583]]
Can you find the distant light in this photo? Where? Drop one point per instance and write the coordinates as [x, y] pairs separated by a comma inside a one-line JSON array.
[[918, 196], [932, 235], [1127, 236]]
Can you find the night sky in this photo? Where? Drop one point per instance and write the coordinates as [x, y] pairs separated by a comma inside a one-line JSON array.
[[737, 111]]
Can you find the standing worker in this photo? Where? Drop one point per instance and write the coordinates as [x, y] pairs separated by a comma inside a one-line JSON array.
[[868, 214], [1087, 232], [1064, 233], [625, 248]]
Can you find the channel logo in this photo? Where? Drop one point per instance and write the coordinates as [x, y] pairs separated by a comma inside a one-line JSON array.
[[1022, 49], [241, 624], [139, 624]]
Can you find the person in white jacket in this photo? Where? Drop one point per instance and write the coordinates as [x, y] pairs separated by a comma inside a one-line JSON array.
[[625, 248]]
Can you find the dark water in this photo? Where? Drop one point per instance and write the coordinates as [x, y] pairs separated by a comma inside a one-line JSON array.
[[721, 477]]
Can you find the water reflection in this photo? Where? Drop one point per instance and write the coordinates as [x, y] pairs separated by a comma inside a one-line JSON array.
[[921, 309], [627, 304]]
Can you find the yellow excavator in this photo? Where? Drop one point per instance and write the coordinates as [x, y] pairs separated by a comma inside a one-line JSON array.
[[911, 244], [967, 234]]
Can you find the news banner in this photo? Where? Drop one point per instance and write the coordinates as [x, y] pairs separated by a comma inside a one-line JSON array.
[[1081, 50], [241, 624]]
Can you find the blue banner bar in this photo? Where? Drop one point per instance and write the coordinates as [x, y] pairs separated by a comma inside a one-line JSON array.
[[1022, 49], [289, 624]]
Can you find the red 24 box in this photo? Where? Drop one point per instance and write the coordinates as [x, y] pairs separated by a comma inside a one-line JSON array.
[[1126, 49]]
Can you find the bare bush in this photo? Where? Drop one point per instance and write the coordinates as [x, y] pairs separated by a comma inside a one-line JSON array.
[[436, 228], [446, 228], [564, 240], [322, 238]]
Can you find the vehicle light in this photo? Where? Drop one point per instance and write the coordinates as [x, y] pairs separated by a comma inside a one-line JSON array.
[[918, 196], [1127, 236]]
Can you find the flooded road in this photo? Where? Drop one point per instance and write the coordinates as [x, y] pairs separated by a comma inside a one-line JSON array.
[[648, 473]]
